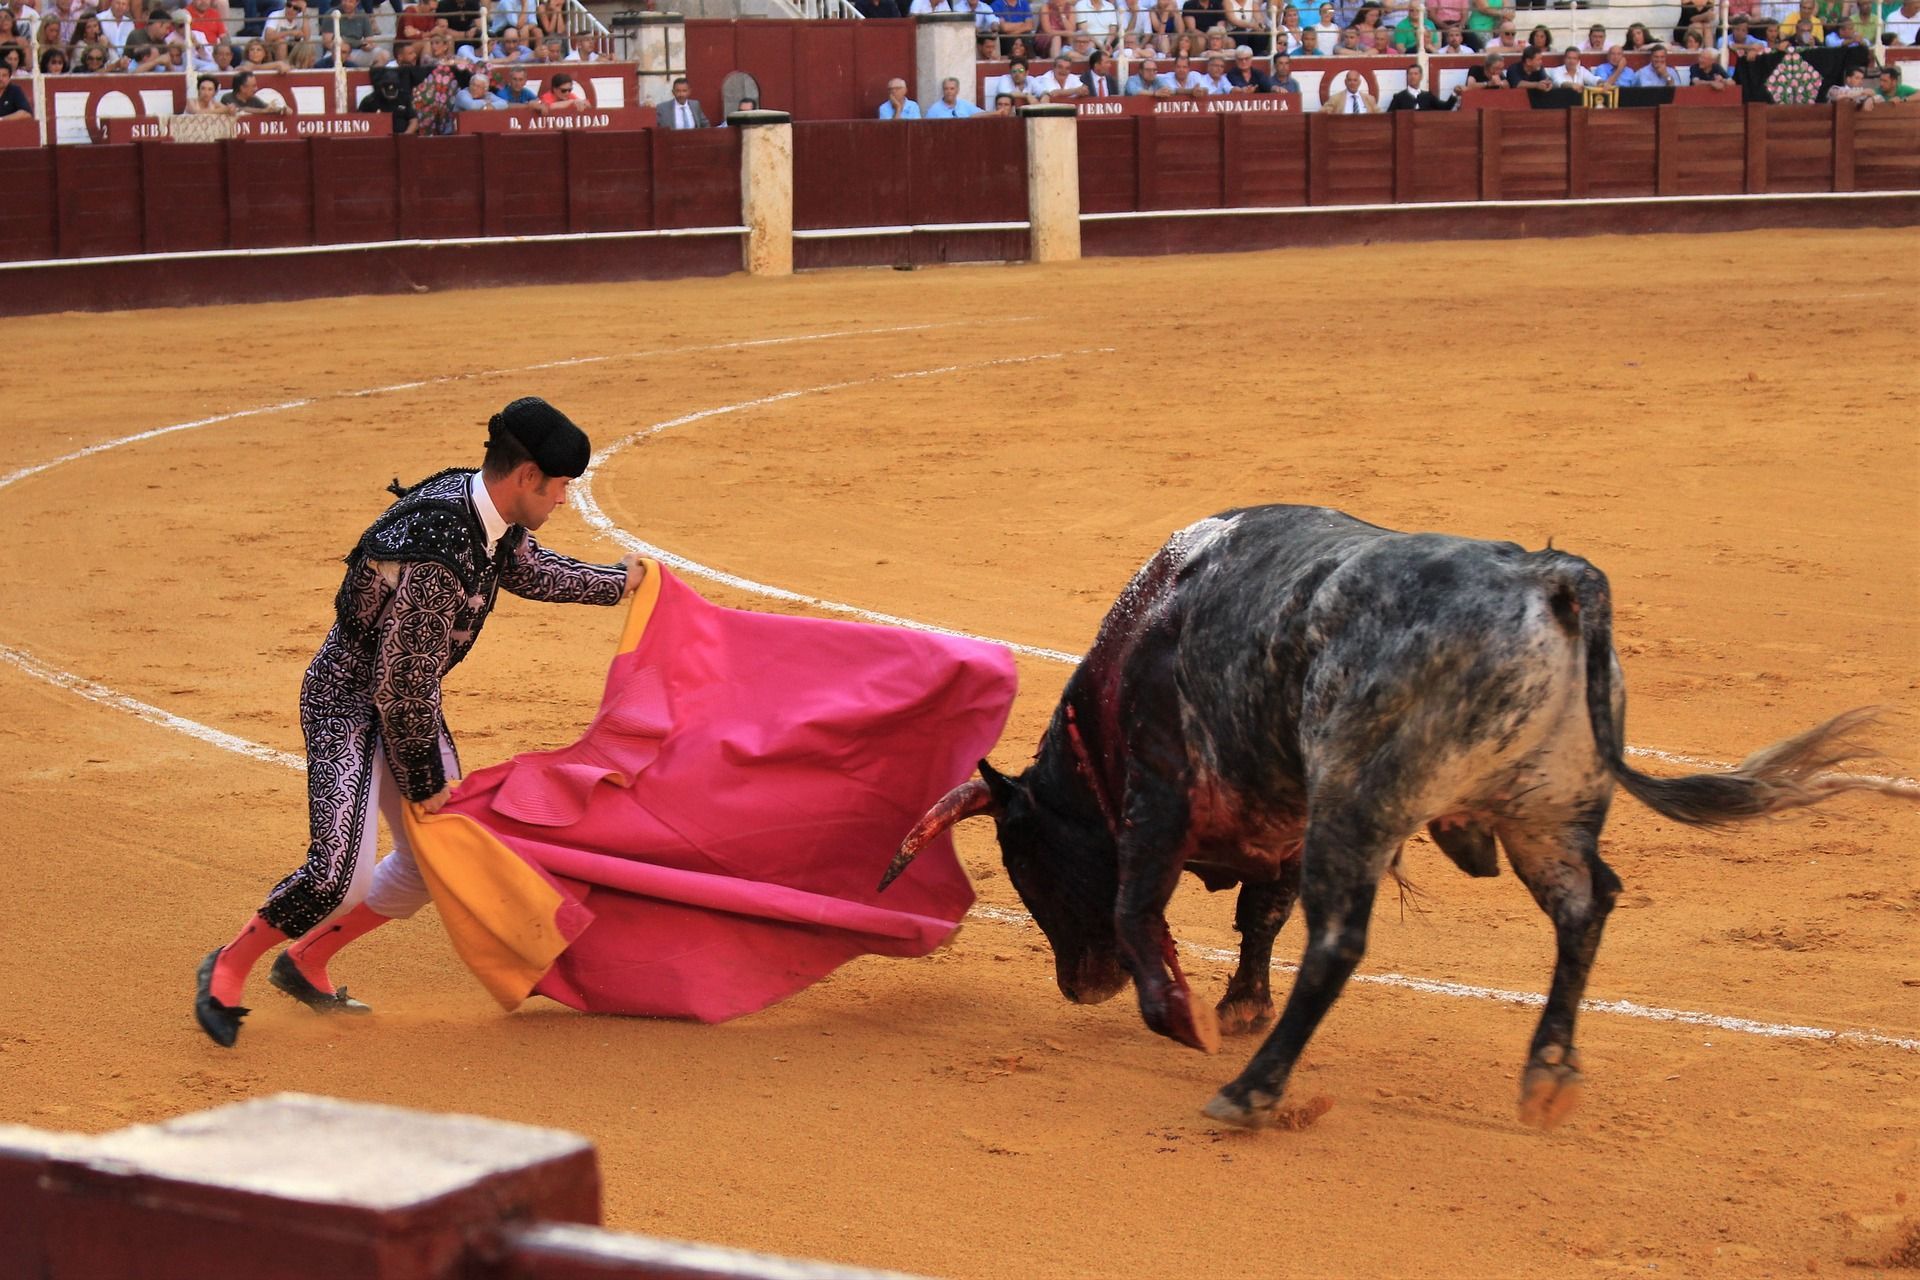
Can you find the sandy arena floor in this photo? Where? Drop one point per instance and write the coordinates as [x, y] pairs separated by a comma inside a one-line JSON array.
[[1745, 466]]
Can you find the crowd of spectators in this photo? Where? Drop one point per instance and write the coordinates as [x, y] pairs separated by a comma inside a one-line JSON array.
[[1358, 28], [75, 37]]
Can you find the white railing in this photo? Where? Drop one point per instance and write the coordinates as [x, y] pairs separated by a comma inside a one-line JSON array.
[[827, 9]]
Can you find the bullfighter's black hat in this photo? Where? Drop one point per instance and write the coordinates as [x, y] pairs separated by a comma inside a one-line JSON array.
[[556, 446]]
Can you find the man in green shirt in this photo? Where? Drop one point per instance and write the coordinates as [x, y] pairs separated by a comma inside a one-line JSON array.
[[1891, 90]]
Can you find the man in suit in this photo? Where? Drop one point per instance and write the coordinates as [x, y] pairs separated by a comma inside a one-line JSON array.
[[1098, 77], [683, 112], [1352, 99], [1416, 97]]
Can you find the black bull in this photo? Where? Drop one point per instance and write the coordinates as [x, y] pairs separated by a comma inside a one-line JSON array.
[[1279, 699]]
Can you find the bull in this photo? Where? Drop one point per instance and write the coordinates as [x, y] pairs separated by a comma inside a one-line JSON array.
[[1284, 695]]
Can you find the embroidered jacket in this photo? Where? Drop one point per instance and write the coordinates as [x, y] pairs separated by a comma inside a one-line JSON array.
[[418, 589]]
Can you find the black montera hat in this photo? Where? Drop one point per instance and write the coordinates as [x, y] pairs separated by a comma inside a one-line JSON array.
[[556, 446]]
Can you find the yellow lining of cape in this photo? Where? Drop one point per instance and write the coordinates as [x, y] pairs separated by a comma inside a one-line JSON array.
[[500, 915]]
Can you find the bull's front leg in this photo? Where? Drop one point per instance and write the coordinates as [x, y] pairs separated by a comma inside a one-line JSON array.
[[1152, 847], [1259, 915]]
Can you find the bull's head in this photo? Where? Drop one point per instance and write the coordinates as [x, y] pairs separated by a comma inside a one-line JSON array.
[[1062, 867]]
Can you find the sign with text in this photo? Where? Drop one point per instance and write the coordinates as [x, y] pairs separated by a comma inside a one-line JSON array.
[[377, 124], [1228, 104], [528, 120]]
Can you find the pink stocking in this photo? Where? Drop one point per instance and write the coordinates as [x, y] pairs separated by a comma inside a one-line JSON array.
[[312, 952], [238, 957]]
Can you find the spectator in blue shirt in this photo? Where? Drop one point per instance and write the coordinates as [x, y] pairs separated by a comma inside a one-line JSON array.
[[950, 107], [1146, 79], [898, 105], [1216, 78], [1617, 74], [514, 92], [475, 96], [1015, 17]]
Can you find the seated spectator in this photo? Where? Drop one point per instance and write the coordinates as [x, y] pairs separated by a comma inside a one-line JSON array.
[[1638, 39], [477, 96], [224, 57], [1246, 77], [683, 110], [1903, 23], [1054, 27], [1739, 36], [438, 49], [254, 58], [156, 46], [53, 62], [1443, 14], [117, 24], [1382, 46], [1570, 74], [1100, 19], [1309, 46], [1891, 90], [245, 97], [1616, 74], [1059, 83], [209, 21], [1847, 37], [87, 30], [1697, 16], [1014, 84], [554, 49], [1405, 36], [510, 48], [951, 106], [1453, 41], [1542, 39], [1416, 96], [13, 100], [1098, 79], [1657, 74], [1485, 20], [1853, 88], [406, 53], [1003, 104], [1501, 38], [359, 38], [289, 35], [1246, 24], [1596, 46], [463, 21], [1185, 79], [1806, 16], [1014, 18], [416, 22], [510, 89], [1708, 71], [898, 106], [205, 100], [1215, 80], [1146, 80], [562, 97], [1328, 25], [1352, 99], [385, 93], [1283, 81], [1350, 46], [1490, 74]]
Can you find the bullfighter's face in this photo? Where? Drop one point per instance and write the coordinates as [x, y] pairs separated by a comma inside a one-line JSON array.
[[1064, 872]]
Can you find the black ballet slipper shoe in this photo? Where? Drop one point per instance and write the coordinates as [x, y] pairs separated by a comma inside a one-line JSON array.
[[221, 1022], [286, 975]]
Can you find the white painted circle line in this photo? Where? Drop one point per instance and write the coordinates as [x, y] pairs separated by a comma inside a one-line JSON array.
[[95, 692]]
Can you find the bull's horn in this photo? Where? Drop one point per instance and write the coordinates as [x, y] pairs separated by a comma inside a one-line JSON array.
[[968, 800]]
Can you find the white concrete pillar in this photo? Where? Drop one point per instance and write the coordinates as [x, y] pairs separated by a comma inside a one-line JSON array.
[[766, 190], [1053, 182], [944, 45], [660, 50]]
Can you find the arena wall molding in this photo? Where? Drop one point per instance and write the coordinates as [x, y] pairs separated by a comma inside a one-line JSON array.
[[146, 223], [294, 1186]]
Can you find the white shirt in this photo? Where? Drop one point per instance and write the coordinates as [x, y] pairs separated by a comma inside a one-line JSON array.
[[1579, 78], [683, 114], [1098, 20], [490, 517], [117, 30], [1906, 30], [1047, 84]]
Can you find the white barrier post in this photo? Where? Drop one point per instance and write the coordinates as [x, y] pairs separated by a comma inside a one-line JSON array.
[[340, 106], [1421, 52], [766, 190], [486, 34], [944, 46], [186, 65], [1053, 182], [47, 136]]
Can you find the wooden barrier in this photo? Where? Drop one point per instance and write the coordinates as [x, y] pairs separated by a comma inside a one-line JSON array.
[[155, 128], [352, 1190], [815, 69], [1686, 95], [1230, 104]]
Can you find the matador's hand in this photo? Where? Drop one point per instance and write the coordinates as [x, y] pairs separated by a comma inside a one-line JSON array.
[[438, 800], [636, 568]]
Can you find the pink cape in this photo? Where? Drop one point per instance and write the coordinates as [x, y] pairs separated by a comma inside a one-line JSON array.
[[717, 833]]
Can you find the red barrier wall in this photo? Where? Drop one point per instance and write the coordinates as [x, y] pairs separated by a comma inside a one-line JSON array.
[[814, 70], [155, 197]]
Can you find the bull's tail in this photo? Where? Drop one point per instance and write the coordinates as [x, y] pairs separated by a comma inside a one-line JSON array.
[[1802, 770]]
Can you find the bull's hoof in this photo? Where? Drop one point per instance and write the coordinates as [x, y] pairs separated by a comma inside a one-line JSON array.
[[1255, 1111], [1241, 1017], [1550, 1088]]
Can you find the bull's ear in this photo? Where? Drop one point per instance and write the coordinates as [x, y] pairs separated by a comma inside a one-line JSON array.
[[999, 786]]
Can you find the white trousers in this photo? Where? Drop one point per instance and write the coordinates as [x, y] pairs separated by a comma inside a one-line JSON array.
[[391, 886]]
